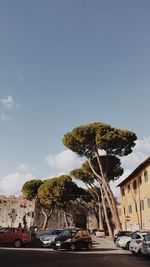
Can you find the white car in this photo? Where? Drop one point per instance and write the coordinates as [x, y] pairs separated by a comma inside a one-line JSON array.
[[123, 241], [136, 242], [100, 233]]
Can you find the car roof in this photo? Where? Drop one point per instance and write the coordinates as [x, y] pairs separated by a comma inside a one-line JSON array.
[[141, 232], [74, 228]]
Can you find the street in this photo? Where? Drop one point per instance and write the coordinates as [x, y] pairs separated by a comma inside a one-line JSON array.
[[104, 254]]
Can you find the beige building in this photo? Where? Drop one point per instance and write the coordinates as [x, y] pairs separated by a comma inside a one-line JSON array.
[[134, 210]]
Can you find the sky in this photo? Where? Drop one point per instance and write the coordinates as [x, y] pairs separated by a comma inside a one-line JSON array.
[[64, 63]]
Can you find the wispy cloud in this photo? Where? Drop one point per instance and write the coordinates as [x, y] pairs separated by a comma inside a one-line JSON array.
[[3, 116], [64, 161], [9, 103], [12, 183]]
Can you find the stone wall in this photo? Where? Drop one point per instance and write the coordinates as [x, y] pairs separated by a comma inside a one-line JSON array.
[[13, 209]]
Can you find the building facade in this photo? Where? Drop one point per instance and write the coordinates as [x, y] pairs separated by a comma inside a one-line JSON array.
[[134, 209]]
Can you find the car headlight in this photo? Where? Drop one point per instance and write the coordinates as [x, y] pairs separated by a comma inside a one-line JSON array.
[[68, 240]]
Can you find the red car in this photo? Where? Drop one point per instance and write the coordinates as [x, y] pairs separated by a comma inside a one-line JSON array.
[[13, 236]]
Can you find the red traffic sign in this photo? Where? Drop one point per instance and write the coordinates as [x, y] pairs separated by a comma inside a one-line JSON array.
[[127, 218]]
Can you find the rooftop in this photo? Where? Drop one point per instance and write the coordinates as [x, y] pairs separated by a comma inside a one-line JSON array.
[[136, 171]]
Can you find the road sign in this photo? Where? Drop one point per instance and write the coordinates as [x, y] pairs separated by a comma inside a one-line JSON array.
[[127, 218]]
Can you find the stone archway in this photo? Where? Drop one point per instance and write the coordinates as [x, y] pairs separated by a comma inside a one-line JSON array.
[[80, 221]]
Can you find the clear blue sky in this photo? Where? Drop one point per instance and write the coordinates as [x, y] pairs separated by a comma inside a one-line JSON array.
[[66, 63]]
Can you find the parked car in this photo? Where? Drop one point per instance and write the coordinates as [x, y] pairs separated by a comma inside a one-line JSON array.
[[47, 240], [72, 239], [121, 233], [136, 242], [100, 233], [123, 241], [146, 245], [13, 236]]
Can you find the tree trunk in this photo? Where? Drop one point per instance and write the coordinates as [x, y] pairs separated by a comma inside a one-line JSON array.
[[114, 206], [106, 215], [46, 217], [100, 226], [111, 200], [65, 219]]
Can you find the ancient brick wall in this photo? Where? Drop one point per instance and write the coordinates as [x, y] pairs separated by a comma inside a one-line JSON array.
[[13, 209]]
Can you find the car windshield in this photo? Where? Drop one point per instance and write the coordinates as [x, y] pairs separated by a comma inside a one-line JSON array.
[[69, 232], [147, 238], [4, 230], [123, 233], [54, 232]]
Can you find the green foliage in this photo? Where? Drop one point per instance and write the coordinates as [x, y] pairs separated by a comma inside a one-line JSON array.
[[111, 166], [30, 188], [46, 193], [85, 176], [58, 191], [86, 140]]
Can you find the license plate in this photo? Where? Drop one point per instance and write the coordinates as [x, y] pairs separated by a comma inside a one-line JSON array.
[[57, 245]]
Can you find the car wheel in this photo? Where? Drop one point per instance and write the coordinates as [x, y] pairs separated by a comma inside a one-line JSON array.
[[72, 247], [140, 252], [127, 245], [17, 243], [55, 248]]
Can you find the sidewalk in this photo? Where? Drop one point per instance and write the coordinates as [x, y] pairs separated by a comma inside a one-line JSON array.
[[104, 243]]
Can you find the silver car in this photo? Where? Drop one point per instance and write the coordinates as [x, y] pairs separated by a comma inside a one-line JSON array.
[[146, 245], [47, 240]]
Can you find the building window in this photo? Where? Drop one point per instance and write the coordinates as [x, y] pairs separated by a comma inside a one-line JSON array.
[[123, 192], [136, 207], [134, 185], [130, 209], [141, 204], [129, 188], [124, 211], [140, 180], [148, 202], [146, 176]]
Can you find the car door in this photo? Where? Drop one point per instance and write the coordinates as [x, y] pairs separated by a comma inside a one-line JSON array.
[[9, 236], [2, 235], [78, 239], [6, 235]]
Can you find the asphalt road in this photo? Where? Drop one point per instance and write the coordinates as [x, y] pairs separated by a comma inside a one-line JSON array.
[[34, 257]]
